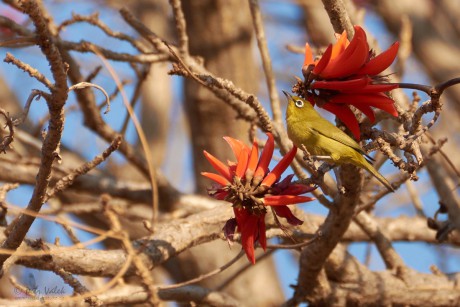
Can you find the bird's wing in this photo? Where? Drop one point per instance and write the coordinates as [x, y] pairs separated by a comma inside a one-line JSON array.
[[338, 135]]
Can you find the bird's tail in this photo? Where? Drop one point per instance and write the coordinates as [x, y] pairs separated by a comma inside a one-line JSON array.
[[377, 175]]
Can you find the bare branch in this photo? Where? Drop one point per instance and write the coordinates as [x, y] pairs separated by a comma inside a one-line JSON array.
[[9, 58], [68, 180], [266, 61]]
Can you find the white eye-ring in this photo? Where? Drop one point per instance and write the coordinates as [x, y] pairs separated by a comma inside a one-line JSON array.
[[299, 103]]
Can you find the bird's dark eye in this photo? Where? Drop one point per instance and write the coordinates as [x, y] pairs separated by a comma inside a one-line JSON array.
[[299, 103]]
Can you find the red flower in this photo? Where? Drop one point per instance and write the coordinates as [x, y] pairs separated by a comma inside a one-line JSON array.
[[250, 187], [347, 74]]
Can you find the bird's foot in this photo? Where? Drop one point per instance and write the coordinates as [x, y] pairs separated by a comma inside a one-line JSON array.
[[307, 157]]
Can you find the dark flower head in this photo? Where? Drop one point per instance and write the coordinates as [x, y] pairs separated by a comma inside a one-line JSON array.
[[347, 74], [251, 187]]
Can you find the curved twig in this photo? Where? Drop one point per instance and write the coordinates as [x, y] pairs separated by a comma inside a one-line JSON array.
[[83, 85]]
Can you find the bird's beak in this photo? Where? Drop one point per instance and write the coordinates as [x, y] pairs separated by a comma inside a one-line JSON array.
[[288, 96]]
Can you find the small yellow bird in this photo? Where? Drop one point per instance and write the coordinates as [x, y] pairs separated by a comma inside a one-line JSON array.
[[305, 126]]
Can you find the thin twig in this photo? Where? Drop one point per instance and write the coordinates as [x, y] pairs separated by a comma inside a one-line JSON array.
[[239, 272], [142, 76], [69, 231], [34, 73], [93, 19], [68, 180], [77, 286], [156, 42], [181, 28], [204, 276], [102, 233], [83, 85], [204, 77], [142, 138], [144, 272], [183, 65], [316, 236], [445, 156], [370, 227], [85, 46], [69, 279], [93, 73], [266, 61], [21, 288], [34, 94]]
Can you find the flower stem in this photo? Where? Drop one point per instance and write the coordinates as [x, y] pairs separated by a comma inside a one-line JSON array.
[[420, 87], [442, 86]]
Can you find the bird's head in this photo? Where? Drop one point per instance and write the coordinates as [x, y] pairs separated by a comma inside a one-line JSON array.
[[298, 107]]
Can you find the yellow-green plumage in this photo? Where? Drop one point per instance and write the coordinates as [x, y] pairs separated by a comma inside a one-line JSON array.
[[305, 126]]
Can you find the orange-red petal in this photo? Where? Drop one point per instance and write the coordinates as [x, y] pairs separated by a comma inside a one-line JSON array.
[[249, 230], [367, 110], [218, 166], [371, 88], [262, 234], [378, 100], [351, 60], [265, 157], [278, 170], [344, 113], [340, 59], [284, 211], [380, 62], [253, 160], [242, 163], [387, 107], [282, 200], [340, 45], [308, 55], [236, 145], [297, 189], [216, 177], [346, 85], [323, 62]]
